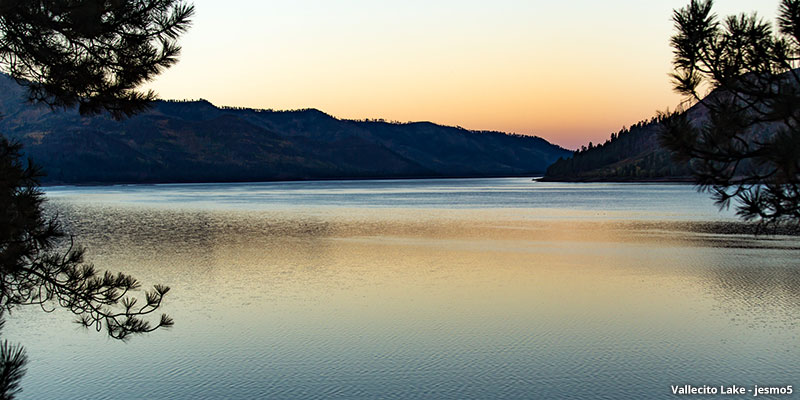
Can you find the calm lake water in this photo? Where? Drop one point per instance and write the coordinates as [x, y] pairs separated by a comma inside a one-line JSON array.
[[434, 289]]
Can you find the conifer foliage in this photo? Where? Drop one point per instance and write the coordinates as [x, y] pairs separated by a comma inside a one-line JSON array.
[[90, 53], [93, 55], [744, 75]]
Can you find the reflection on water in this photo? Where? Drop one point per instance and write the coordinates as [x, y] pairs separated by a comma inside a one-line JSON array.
[[356, 294]]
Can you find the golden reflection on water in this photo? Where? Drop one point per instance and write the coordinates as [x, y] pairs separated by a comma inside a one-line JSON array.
[[502, 293], [490, 260]]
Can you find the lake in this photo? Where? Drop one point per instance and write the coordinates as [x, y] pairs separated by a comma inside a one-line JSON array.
[[434, 289]]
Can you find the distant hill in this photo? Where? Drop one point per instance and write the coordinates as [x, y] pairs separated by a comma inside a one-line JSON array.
[[632, 154], [195, 141]]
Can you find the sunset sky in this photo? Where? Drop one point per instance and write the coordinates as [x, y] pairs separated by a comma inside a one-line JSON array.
[[571, 71]]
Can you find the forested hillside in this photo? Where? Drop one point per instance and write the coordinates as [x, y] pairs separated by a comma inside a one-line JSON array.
[[631, 154], [195, 141]]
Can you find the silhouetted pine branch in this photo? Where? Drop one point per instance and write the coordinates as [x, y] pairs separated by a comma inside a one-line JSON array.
[[745, 77]]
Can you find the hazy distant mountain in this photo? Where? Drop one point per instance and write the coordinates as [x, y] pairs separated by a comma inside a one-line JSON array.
[[196, 141]]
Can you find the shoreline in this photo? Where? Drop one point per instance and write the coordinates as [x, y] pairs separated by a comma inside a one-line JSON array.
[[687, 180], [532, 177]]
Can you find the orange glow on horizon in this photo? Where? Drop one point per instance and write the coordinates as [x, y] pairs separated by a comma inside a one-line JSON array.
[[570, 73]]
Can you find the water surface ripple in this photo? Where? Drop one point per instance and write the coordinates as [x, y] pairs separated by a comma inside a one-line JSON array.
[[446, 289]]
